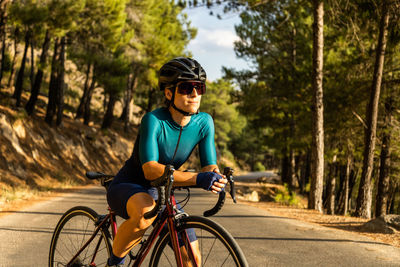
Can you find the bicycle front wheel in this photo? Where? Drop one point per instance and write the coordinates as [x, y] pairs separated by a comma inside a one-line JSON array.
[[72, 232], [216, 247]]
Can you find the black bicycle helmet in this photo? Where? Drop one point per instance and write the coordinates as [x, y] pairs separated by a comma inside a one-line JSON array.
[[180, 69]]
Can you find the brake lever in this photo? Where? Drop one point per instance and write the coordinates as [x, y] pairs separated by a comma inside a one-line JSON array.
[[228, 172]]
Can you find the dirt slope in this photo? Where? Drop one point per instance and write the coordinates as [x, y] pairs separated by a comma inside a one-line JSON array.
[[36, 158]]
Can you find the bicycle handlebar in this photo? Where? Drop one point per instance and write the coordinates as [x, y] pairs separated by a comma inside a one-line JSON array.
[[228, 172], [164, 186]]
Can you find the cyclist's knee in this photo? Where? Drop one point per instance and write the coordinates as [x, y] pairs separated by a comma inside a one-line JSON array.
[[137, 206]]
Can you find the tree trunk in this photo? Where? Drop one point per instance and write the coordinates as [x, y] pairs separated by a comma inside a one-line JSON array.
[[331, 187], [305, 172], [126, 97], [61, 86], [3, 48], [128, 108], [20, 76], [317, 163], [30, 106], [12, 71], [292, 173], [383, 184], [51, 106], [32, 63], [3, 54], [3, 35], [150, 100], [297, 170], [364, 199], [105, 102], [109, 117], [81, 108], [86, 115], [384, 179], [344, 195], [347, 186], [284, 167], [392, 198], [352, 183]]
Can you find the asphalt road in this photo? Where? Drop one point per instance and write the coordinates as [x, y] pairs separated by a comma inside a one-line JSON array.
[[265, 239]]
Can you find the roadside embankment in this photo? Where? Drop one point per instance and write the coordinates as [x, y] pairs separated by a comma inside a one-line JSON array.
[[36, 159]]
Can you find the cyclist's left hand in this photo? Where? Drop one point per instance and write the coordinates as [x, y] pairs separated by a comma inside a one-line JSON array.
[[220, 185]]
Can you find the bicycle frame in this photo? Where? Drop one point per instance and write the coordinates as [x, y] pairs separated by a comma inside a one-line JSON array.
[[167, 217]]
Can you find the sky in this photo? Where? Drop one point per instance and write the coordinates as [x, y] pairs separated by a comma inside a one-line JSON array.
[[213, 45]]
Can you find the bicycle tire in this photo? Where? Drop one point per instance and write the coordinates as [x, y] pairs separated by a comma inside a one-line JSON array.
[[74, 228], [216, 245]]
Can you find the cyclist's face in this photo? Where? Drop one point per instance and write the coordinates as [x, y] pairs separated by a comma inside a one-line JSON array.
[[189, 103]]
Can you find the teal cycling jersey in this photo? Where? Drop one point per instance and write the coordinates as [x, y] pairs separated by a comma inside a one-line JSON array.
[[158, 141]]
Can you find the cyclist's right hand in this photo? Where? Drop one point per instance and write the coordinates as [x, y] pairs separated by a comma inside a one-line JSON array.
[[206, 180]]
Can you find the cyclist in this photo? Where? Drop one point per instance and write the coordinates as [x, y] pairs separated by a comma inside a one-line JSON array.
[[166, 136]]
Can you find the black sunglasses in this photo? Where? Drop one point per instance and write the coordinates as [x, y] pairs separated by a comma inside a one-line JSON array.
[[186, 88]]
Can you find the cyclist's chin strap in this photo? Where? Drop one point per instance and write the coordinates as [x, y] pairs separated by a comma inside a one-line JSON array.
[[185, 113]]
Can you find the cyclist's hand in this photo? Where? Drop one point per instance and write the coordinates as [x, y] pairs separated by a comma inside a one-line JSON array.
[[220, 186], [211, 181]]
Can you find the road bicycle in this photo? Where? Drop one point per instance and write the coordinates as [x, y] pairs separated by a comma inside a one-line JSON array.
[[83, 238]]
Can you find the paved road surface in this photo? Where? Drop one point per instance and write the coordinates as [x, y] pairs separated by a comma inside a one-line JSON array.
[[265, 239]]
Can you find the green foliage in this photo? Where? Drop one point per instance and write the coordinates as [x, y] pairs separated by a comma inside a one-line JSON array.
[[276, 38], [259, 167], [112, 72], [227, 120], [163, 33], [285, 197]]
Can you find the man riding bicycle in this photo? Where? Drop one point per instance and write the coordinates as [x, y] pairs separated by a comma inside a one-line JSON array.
[[166, 136]]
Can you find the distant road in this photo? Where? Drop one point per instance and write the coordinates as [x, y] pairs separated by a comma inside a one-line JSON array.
[[266, 240], [255, 175]]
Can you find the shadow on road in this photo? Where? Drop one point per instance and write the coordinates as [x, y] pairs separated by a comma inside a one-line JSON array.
[[251, 216], [31, 212], [309, 240], [30, 230]]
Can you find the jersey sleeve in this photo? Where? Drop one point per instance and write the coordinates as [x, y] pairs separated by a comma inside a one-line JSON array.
[[208, 155], [148, 145]]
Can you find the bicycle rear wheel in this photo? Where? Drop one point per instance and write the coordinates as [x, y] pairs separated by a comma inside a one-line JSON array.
[[73, 230], [217, 247]]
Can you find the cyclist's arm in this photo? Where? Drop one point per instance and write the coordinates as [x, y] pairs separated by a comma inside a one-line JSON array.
[[211, 168], [152, 170]]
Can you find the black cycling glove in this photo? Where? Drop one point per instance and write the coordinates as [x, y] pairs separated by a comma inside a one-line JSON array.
[[206, 179]]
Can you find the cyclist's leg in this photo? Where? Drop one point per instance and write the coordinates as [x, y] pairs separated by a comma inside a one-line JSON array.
[[196, 251], [194, 244], [131, 231], [120, 199]]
